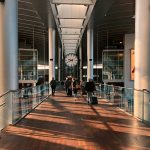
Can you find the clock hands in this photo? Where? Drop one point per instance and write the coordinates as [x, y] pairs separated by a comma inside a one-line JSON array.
[[69, 60]]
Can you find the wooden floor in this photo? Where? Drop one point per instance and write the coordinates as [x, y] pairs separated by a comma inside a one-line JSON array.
[[61, 123]]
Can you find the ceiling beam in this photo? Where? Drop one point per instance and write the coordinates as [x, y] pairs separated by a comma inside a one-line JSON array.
[[70, 34], [71, 27], [58, 17], [58, 2]]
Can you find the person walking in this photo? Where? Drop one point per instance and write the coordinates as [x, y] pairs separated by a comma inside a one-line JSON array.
[[53, 85], [74, 88], [68, 87], [89, 87]]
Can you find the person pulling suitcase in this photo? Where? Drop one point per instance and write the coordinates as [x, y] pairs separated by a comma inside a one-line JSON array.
[[90, 88]]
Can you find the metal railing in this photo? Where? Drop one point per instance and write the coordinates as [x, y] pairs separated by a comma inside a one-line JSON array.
[[14, 105], [124, 98], [4, 109]]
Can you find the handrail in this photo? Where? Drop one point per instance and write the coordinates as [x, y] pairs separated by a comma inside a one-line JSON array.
[[8, 92], [146, 90], [5, 93], [121, 87], [18, 103], [2, 104]]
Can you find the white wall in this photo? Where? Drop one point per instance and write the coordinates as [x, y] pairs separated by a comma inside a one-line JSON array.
[[129, 44]]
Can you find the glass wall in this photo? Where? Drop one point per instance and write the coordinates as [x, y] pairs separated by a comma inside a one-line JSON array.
[[113, 65], [28, 59]]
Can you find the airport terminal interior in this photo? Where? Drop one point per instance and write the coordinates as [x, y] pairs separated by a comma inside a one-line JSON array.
[[74, 75]]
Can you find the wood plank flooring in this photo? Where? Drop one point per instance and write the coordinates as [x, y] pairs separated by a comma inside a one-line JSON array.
[[61, 123]]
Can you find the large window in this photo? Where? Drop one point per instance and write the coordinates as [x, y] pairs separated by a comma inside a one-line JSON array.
[[27, 64], [113, 65]]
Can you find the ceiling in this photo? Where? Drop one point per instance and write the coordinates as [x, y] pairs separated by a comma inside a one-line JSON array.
[[117, 19], [112, 19], [71, 19]]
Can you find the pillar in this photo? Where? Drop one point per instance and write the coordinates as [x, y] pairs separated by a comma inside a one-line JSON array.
[[90, 51], [62, 65], [51, 34], [59, 64], [11, 43], [54, 51], [51, 53], [142, 59], [80, 56], [3, 89], [8, 56], [2, 51]]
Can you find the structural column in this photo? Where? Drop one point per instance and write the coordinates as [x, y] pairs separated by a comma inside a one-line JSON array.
[[80, 56], [62, 65], [2, 52], [8, 56], [11, 43], [51, 53], [59, 64], [51, 34], [142, 59], [90, 51], [3, 88]]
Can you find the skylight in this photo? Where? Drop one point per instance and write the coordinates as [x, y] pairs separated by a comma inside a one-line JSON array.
[[71, 17]]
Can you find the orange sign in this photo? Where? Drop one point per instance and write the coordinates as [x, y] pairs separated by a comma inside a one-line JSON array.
[[132, 59]]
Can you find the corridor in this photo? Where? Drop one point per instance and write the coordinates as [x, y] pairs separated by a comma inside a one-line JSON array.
[[61, 123]]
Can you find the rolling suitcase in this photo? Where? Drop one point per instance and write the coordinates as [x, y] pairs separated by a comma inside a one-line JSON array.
[[93, 100]]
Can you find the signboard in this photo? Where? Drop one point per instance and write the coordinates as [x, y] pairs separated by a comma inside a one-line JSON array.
[[132, 67]]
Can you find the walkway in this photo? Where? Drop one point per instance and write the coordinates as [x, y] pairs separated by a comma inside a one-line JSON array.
[[60, 123]]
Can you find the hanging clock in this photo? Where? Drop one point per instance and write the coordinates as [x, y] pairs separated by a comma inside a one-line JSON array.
[[71, 60]]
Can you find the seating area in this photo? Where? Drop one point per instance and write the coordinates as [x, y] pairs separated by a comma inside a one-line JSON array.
[[61, 123]]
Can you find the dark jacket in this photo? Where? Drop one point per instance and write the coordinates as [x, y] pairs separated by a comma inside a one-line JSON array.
[[53, 83], [68, 83], [90, 86]]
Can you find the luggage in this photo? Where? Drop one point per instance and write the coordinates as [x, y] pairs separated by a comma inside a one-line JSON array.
[[93, 100], [25, 96]]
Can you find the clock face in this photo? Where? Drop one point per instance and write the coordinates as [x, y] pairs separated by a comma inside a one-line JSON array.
[[71, 60]]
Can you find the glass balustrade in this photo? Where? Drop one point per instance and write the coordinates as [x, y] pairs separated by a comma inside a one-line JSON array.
[[14, 105]]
